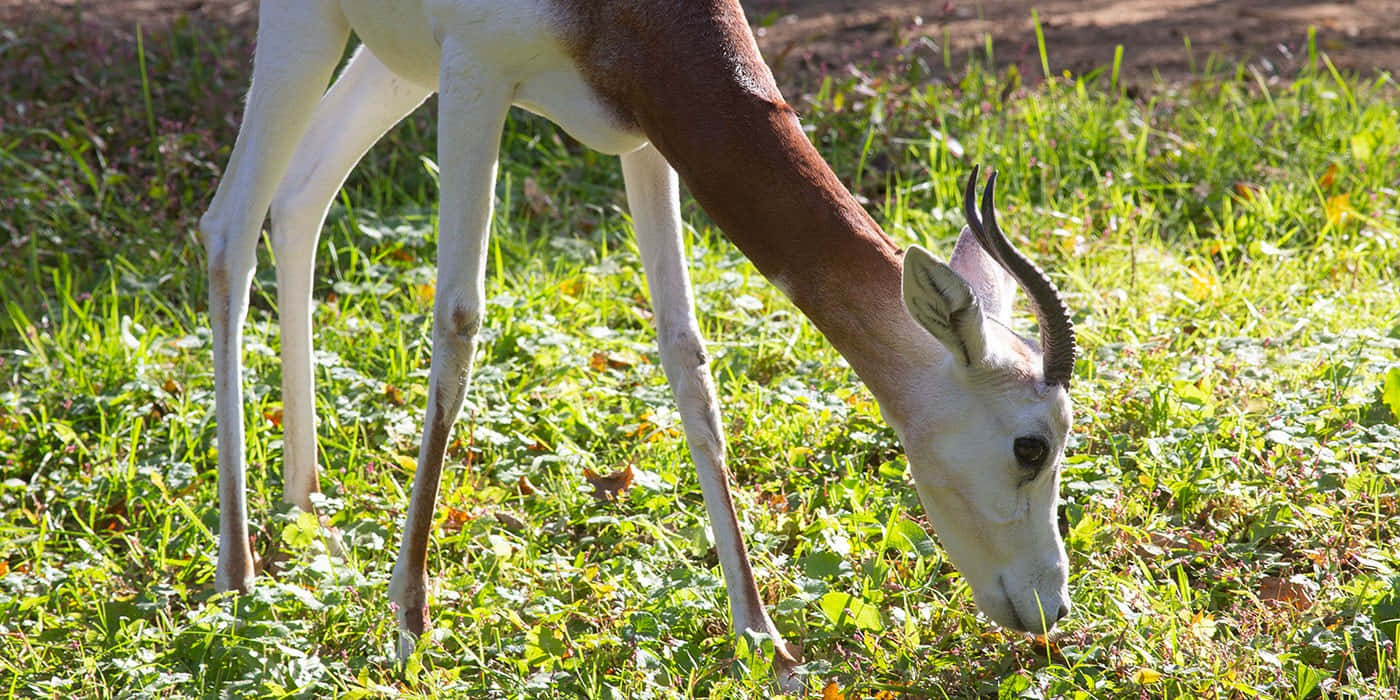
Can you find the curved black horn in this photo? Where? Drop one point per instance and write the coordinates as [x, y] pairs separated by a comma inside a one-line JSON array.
[[1056, 330]]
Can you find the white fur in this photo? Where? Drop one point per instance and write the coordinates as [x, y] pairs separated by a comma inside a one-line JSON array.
[[294, 151], [482, 57], [1000, 530]]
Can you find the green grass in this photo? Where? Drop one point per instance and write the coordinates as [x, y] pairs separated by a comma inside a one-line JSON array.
[[1231, 498]]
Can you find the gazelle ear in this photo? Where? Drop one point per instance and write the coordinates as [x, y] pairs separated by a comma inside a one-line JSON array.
[[945, 305], [990, 282]]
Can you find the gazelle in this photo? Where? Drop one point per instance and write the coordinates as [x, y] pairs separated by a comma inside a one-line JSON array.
[[674, 88]]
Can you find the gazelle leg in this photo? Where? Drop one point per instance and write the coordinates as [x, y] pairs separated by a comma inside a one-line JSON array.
[[365, 101], [472, 105], [652, 196], [298, 46]]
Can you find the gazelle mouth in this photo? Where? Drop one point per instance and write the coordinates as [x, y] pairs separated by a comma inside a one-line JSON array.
[[1021, 625]]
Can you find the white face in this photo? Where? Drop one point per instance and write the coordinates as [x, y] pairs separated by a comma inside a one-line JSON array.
[[985, 459]]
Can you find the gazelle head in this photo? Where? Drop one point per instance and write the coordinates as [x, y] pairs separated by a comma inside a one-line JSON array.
[[986, 443]]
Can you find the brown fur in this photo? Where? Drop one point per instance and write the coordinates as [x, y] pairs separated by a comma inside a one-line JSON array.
[[690, 76]]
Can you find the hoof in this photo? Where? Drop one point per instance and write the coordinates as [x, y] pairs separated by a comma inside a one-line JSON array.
[[408, 598], [335, 544], [785, 662]]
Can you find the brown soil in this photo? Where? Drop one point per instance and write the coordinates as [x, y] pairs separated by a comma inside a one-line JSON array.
[[1081, 35], [1173, 39]]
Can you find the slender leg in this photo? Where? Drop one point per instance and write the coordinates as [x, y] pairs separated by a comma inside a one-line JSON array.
[[365, 101], [299, 43], [471, 113], [652, 195]]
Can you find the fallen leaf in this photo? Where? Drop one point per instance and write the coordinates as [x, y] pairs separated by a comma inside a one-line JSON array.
[[526, 488], [273, 416], [832, 691], [1246, 190], [598, 362], [509, 521], [1328, 177], [393, 394], [1286, 591], [607, 488], [1044, 645], [172, 387], [455, 519], [777, 501]]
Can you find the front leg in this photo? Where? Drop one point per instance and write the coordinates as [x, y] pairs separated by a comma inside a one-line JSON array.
[[652, 196], [471, 113]]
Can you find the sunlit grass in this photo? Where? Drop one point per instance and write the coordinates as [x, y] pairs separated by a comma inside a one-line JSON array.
[[1229, 248]]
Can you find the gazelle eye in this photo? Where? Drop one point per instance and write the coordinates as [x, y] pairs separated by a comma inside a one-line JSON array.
[[1031, 452]]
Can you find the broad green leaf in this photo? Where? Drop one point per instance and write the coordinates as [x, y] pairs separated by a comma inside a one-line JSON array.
[[300, 533], [1390, 392], [824, 564], [907, 536], [844, 607]]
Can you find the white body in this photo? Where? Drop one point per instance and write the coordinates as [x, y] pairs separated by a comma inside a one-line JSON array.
[[294, 150]]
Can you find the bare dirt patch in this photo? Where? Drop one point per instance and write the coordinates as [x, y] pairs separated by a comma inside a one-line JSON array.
[[804, 38], [1173, 39]]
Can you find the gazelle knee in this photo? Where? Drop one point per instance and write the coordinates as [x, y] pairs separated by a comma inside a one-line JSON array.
[[460, 320], [228, 255], [682, 350]]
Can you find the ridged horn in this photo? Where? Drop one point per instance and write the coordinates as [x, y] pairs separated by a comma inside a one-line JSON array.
[[1056, 330]]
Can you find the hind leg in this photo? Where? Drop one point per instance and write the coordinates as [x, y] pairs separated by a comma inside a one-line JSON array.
[[299, 43], [365, 102]]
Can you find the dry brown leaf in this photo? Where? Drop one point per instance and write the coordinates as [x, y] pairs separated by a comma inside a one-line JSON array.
[[1328, 177], [1246, 190], [832, 691], [1285, 591], [455, 519], [608, 488], [509, 521], [601, 360], [776, 501], [526, 488], [598, 361], [393, 394]]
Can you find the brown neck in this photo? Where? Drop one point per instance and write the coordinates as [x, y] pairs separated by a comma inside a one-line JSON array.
[[690, 76]]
